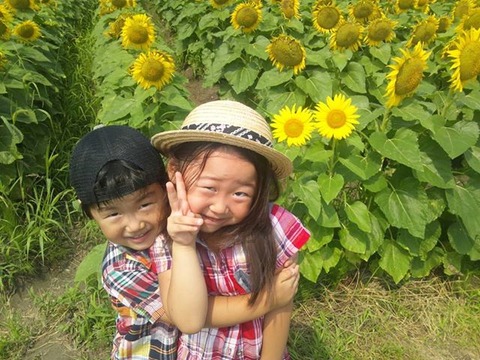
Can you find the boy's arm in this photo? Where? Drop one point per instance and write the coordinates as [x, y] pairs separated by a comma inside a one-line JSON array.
[[276, 327]]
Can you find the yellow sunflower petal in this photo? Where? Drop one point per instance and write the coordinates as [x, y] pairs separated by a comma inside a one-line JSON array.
[[287, 52], [154, 68], [246, 17], [27, 31], [138, 32], [465, 54]]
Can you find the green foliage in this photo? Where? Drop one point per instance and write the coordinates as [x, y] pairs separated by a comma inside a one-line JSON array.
[[401, 192]]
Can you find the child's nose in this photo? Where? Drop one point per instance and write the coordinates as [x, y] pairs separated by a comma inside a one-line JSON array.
[[219, 206], [135, 224]]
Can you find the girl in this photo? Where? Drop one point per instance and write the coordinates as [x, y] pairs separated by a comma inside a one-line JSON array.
[[223, 156]]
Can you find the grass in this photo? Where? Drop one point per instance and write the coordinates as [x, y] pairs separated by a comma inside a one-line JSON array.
[[423, 319]]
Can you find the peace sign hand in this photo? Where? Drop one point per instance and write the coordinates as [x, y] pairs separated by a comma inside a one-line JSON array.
[[182, 224]]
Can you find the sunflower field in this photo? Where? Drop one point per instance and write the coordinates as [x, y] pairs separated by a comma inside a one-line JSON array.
[[376, 102]]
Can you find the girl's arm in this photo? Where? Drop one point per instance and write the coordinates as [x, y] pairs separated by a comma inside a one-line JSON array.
[[276, 327], [226, 311], [183, 288]]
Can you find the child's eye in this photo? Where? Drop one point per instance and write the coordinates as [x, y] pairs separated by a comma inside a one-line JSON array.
[[144, 205], [241, 194], [112, 215]]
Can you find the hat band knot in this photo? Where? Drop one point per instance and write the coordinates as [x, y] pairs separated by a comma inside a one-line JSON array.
[[237, 131]]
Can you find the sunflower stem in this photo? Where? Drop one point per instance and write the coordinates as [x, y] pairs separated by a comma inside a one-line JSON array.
[[448, 102], [386, 118], [333, 159]]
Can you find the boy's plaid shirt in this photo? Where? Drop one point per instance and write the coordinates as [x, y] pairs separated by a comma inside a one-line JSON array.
[[132, 283]]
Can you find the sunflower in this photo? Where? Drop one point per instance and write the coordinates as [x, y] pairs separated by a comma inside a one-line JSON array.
[[472, 20], [27, 31], [290, 8], [115, 27], [444, 23], [406, 74], [293, 125], [138, 32], [465, 55], [404, 5], [326, 17], [20, 5], [424, 32], [5, 14], [286, 51], [120, 4], [3, 60], [154, 68], [4, 31], [462, 8], [218, 4], [348, 35], [246, 17], [337, 118], [380, 30], [363, 10]]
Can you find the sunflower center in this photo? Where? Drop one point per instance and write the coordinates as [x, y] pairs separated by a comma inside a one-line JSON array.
[[287, 52], [363, 10], [119, 4], [443, 24], [220, 2], [152, 70], [379, 31], [336, 118], [421, 3], [26, 31], [425, 32], [409, 76], [405, 4], [20, 4], [247, 17], [473, 21], [469, 64], [461, 9], [328, 17], [288, 8], [347, 35], [293, 128], [138, 34]]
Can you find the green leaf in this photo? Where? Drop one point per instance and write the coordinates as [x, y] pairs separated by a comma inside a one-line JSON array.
[[382, 53], [321, 236], [91, 264], [354, 77], [26, 116], [257, 49], [462, 242], [433, 123], [242, 78], [353, 241], [10, 136], [272, 78], [437, 169], [405, 207], [403, 147], [341, 59], [465, 202], [411, 112], [283, 98], [358, 214], [329, 216], [422, 268], [420, 247], [318, 85], [363, 167], [394, 260], [472, 100], [309, 194], [115, 108], [330, 186], [457, 139], [472, 156], [311, 265]]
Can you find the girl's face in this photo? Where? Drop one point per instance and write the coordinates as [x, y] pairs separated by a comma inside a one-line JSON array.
[[223, 192], [134, 220]]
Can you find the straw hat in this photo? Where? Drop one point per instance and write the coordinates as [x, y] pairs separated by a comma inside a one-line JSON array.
[[227, 122]]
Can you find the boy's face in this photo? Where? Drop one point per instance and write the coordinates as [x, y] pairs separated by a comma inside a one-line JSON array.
[[134, 220]]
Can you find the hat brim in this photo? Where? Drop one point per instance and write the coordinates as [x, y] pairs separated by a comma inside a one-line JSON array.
[[281, 164]]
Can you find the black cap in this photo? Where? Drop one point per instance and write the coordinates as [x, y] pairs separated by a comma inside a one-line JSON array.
[[108, 143]]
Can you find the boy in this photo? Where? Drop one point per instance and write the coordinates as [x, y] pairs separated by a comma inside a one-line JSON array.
[[120, 180]]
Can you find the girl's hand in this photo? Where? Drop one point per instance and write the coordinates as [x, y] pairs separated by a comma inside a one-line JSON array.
[[285, 285], [182, 224]]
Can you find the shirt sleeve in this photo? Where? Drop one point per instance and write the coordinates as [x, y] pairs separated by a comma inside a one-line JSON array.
[[161, 255], [132, 283], [289, 233]]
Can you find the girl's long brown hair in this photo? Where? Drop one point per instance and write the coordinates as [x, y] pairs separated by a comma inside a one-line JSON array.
[[255, 232]]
